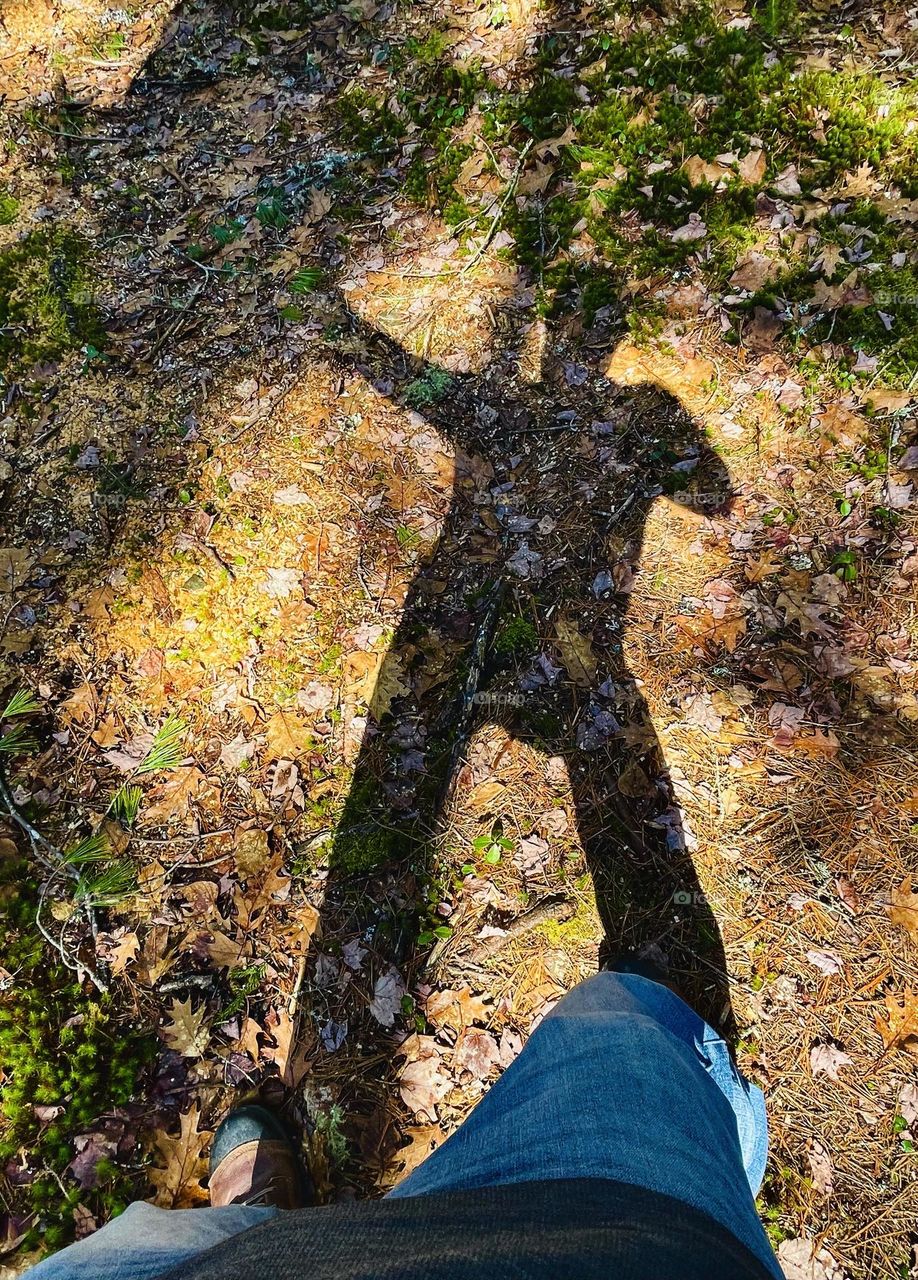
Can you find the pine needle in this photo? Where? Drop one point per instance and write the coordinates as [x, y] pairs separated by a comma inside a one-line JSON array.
[[17, 740], [90, 849], [125, 804], [22, 703], [165, 753], [107, 887]]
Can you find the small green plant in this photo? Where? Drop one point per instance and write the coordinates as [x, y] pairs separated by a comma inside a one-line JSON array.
[[9, 208], [66, 1060], [305, 280], [270, 211], [166, 749], [432, 386], [226, 230], [491, 848]]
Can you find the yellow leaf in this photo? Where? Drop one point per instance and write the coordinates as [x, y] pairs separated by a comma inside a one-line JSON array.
[[286, 737], [177, 1178], [899, 1029], [904, 909]]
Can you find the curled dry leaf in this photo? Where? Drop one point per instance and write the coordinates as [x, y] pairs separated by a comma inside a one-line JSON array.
[[422, 1082], [899, 1029], [820, 1168], [800, 1259]]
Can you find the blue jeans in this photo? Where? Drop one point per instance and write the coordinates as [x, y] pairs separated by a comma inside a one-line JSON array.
[[621, 1081]]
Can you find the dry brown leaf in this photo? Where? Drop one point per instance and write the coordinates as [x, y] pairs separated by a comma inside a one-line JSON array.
[[287, 737], [123, 952], [174, 796], [700, 171], [80, 706], [904, 909], [187, 1033], [178, 1178], [456, 1009], [476, 1052], [577, 654], [899, 1029], [15, 567], [751, 168], [422, 1083], [424, 1139]]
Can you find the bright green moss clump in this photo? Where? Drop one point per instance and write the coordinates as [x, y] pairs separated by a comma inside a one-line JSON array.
[[58, 1049]]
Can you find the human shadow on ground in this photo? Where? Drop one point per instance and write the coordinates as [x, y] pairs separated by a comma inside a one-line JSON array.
[[518, 618]]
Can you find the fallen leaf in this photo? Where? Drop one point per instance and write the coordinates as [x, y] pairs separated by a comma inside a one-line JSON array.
[[456, 1009], [477, 1053], [827, 962], [751, 167], [15, 567], [187, 1032], [908, 1104], [576, 653], [422, 1083], [899, 1029], [387, 998], [754, 270], [904, 909], [287, 737], [694, 229], [123, 952], [178, 1178], [423, 1140], [820, 1168], [826, 1059], [800, 1259]]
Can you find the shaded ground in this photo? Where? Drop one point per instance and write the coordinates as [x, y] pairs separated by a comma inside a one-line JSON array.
[[471, 517]]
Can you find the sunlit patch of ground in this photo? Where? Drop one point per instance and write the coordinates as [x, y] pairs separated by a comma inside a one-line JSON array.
[[89, 49]]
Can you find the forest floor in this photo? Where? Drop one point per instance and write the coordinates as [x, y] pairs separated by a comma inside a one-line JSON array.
[[458, 488]]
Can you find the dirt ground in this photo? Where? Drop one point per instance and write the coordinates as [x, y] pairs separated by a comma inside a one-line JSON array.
[[436, 564]]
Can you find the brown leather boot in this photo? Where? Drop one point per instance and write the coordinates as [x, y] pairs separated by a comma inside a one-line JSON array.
[[253, 1161]]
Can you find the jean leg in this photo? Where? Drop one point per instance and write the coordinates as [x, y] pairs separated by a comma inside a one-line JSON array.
[[145, 1242], [621, 1081]]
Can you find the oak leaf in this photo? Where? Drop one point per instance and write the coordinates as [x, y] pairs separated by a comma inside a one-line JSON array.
[[904, 909], [899, 1029], [178, 1178], [187, 1033]]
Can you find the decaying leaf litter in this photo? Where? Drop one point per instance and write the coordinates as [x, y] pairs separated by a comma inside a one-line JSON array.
[[225, 488]]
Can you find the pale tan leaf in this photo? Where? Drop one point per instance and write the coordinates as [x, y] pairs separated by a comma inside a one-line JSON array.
[[186, 1033]]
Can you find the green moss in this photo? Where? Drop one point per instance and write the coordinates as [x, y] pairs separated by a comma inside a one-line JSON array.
[[517, 638], [46, 305], [9, 207], [57, 1048]]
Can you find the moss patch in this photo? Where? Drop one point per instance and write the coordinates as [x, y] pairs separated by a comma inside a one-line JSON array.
[[46, 305]]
